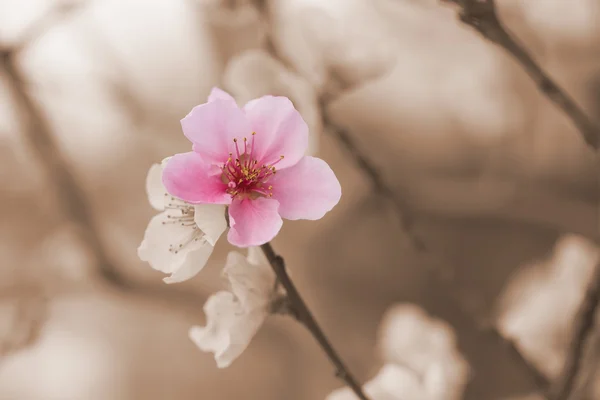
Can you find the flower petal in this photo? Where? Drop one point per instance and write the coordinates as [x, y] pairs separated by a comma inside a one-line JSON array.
[[228, 330], [410, 337], [251, 283], [256, 256], [308, 190], [155, 248], [253, 222], [188, 178], [212, 126], [392, 382], [280, 130], [210, 218], [194, 263], [219, 94], [254, 72], [154, 187]]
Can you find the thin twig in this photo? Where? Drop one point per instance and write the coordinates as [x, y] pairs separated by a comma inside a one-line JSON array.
[[403, 213], [71, 198], [584, 325], [482, 15], [361, 160], [402, 210], [303, 314]]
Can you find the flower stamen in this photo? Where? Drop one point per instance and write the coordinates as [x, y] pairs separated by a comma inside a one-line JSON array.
[[243, 175], [182, 213]]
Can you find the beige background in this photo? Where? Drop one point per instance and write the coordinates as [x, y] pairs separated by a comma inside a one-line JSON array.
[[492, 171]]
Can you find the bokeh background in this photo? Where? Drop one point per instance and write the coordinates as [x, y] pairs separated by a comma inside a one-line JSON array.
[[498, 183]]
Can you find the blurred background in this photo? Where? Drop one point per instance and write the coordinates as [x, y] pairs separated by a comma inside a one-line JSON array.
[[497, 181]]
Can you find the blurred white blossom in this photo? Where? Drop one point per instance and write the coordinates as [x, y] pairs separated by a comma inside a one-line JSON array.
[[255, 73], [571, 25], [421, 358], [427, 346], [235, 27], [180, 239], [392, 382], [342, 36], [233, 317], [557, 284]]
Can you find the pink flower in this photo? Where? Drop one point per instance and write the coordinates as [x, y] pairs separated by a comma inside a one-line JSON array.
[[252, 159]]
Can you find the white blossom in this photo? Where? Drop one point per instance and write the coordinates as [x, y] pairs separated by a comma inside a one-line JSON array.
[[180, 239], [427, 346], [392, 382], [347, 37], [557, 284], [421, 360], [233, 317]]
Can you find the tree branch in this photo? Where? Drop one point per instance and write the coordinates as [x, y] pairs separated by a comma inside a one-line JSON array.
[[71, 198], [403, 212], [303, 314], [482, 15], [406, 221]]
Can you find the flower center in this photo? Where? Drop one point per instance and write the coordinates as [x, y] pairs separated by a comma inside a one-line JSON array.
[[181, 213], [244, 176]]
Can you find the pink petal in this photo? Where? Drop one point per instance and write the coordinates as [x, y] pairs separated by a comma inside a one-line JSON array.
[[187, 177], [308, 190], [253, 222], [219, 94], [212, 126], [280, 130]]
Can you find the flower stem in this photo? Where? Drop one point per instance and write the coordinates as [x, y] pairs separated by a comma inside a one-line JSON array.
[[482, 15], [304, 315]]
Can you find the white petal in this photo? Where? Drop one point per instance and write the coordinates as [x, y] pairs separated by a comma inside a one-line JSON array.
[[252, 283], [392, 382], [155, 188], [256, 256], [228, 330], [440, 381], [194, 263], [408, 336], [210, 218], [155, 248], [556, 284]]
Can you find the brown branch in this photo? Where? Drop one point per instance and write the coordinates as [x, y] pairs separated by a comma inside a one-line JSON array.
[[406, 220], [482, 15], [403, 212], [584, 326], [303, 314], [71, 198], [361, 160]]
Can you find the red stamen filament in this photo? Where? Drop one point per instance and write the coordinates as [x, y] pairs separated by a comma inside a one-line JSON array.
[[243, 176]]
